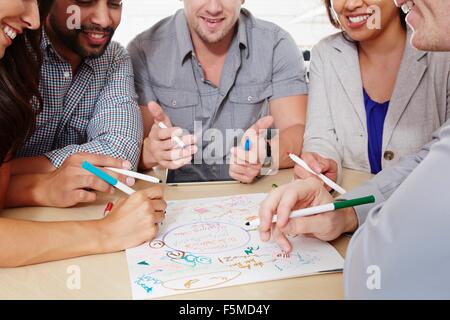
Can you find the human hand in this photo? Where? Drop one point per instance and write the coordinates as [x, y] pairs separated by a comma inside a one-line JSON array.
[[245, 165], [160, 147], [297, 195]]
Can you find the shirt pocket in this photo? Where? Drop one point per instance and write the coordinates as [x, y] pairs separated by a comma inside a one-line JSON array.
[[249, 104], [179, 106]]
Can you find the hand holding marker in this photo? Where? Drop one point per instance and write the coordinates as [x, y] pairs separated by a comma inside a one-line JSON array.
[[107, 178], [113, 181], [177, 139], [333, 185], [320, 209]]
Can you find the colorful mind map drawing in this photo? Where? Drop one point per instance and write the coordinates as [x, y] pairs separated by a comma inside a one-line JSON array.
[[204, 244]]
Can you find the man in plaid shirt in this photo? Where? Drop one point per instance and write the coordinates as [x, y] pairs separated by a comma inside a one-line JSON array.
[[87, 85]]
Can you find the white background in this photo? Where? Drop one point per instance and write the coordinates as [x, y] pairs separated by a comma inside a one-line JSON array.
[[305, 19]]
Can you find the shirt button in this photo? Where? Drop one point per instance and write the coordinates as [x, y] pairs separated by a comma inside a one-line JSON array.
[[250, 98], [174, 103], [66, 74], [389, 155]]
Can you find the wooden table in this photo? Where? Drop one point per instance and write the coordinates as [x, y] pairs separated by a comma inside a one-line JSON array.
[[106, 276]]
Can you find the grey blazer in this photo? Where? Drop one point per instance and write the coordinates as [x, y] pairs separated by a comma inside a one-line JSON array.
[[401, 251], [336, 122]]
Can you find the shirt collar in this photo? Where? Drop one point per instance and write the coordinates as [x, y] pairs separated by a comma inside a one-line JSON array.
[[184, 40], [47, 48]]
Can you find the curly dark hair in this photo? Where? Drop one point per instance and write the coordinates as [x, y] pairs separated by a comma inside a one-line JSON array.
[[20, 99]]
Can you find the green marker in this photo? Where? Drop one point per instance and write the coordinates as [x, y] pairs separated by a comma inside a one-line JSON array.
[[321, 209]]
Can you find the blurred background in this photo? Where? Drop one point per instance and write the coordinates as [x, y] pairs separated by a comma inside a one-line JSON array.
[[305, 20]]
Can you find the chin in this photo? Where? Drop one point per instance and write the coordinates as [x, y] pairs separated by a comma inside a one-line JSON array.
[[427, 43], [211, 38], [363, 35], [358, 36], [90, 53]]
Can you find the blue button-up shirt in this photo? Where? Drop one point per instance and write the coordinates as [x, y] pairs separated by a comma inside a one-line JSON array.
[[93, 111]]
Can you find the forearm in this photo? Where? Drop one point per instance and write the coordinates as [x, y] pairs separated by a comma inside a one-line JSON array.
[[25, 242], [4, 182], [116, 146], [289, 140], [25, 191], [385, 183], [40, 164]]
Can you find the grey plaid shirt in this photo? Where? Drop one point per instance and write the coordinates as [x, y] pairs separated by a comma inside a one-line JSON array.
[[92, 111]]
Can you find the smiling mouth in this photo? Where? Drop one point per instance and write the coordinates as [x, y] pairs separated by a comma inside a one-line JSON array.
[[96, 36], [213, 21], [407, 6], [359, 19], [12, 34]]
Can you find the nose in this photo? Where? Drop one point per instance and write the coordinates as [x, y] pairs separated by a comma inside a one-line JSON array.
[[30, 16], [214, 7], [101, 15], [353, 4]]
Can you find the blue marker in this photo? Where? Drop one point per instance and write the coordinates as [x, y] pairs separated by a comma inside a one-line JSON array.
[[247, 144], [107, 178]]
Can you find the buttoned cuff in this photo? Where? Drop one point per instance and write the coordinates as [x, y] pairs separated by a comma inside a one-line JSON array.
[[57, 157], [288, 88], [363, 191]]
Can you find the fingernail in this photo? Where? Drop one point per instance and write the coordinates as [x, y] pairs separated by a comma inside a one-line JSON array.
[[130, 181], [126, 165], [112, 191]]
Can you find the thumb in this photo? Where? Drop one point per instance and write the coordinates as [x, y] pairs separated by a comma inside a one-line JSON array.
[[158, 114], [312, 161], [328, 165], [156, 192]]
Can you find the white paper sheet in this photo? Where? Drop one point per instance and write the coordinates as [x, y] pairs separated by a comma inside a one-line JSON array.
[[204, 244]]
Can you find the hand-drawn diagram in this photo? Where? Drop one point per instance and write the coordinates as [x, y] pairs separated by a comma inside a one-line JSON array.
[[206, 237], [204, 244]]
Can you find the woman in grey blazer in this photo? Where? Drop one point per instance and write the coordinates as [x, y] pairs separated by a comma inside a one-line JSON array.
[[373, 97]]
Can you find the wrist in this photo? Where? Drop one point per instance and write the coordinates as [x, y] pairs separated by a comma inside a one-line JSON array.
[[104, 239], [351, 220], [93, 240], [41, 192], [148, 161], [27, 190]]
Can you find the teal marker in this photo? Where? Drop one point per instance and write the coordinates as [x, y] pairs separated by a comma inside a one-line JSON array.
[[320, 209], [107, 178]]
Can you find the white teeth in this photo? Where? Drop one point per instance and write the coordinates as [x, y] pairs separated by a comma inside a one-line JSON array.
[[213, 20], [10, 32], [97, 35], [358, 19], [407, 6]]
